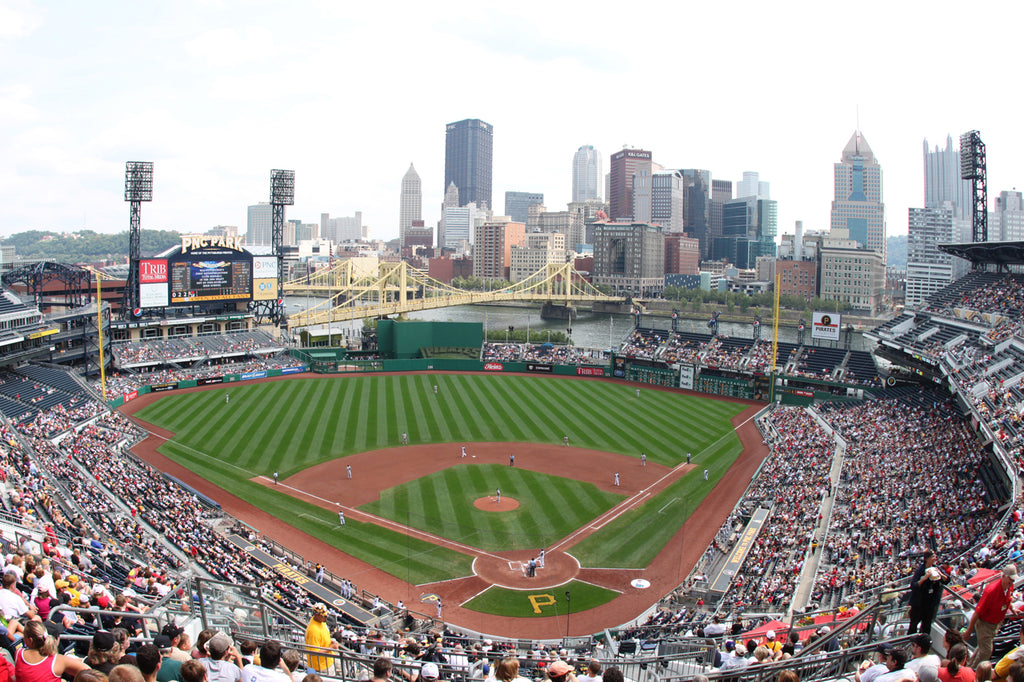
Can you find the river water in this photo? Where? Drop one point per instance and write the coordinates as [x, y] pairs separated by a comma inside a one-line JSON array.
[[589, 330]]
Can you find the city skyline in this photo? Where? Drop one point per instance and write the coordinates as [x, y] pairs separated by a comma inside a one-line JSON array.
[[218, 93]]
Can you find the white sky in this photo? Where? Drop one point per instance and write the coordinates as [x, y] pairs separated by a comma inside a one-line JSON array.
[[217, 92]]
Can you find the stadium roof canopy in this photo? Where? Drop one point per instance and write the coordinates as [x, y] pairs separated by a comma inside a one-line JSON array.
[[988, 253]]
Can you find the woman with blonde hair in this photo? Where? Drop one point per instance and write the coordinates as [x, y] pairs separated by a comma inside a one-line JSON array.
[[38, 660], [507, 670]]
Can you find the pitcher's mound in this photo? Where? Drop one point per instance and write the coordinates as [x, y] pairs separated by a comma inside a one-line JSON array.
[[491, 503]]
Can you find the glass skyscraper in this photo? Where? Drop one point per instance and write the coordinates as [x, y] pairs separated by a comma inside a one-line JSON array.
[[468, 160]]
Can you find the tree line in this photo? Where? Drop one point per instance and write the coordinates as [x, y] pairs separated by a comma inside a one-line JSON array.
[[87, 245]]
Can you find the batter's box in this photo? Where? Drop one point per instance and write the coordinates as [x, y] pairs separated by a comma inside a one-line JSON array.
[[517, 567]]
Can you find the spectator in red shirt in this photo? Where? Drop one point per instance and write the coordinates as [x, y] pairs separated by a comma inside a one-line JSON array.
[[991, 611]]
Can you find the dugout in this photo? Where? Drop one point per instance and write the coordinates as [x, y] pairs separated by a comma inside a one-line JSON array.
[[406, 339]]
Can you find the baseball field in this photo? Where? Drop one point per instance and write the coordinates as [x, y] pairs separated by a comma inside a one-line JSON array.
[[427, 515]]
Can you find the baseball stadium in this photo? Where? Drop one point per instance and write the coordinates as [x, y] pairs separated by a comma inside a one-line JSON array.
[[435, 496]]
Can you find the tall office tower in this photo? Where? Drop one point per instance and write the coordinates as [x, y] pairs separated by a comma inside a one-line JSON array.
[[259, 227], [517, 204], [928, 268], [410, 203], [629, 257], [458, 224], [345, 228], [1006, 222], [492, 248], [468, 159], [721, 192], [587, 174], [667, 200], [857, 204], [625, 165], [749, 228], [698, 207], [942, 181], [752, 186]]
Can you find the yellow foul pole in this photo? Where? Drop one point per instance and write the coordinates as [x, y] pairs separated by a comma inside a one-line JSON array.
[[775, 334], [99, 327]]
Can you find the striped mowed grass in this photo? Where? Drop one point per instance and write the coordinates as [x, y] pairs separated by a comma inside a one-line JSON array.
[[290, 425]]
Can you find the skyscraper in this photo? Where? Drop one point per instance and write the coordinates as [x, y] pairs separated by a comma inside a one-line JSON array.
[[857, 204], [1006, 222], [625, 165], [468, 159], [942, 181], [410, 203], [587, 174], [517, 204], [928, 268], [260, 225], [629, 257], [667, 200], [721, 192]]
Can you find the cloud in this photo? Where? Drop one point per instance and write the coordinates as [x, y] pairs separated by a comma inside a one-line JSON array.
[[17, 20], [514, 36], [229, 47]]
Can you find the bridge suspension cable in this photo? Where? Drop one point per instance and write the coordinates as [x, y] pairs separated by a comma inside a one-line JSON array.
[[354, 292]]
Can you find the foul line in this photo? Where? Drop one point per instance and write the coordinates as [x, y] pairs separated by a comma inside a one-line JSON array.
[[624, 506], [350, 512], [667, 504]]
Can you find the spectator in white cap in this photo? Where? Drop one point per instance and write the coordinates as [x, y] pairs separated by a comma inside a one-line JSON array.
[[429, 671], [773, 645]]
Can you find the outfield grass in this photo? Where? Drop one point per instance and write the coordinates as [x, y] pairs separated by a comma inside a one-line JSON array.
[[540, 603], [290, 425], [550, 507]]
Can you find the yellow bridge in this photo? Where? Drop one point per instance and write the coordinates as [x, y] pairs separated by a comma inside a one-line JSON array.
[[396, 288]]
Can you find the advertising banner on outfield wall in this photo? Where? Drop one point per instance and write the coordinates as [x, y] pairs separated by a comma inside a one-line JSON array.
[[206, 381], [590, 371], [825, 326], [533, 367]]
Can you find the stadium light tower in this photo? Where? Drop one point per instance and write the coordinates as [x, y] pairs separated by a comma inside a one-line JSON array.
[[973, 167], [138, 187], [282, 193]]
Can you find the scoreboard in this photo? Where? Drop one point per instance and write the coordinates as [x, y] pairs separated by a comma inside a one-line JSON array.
[[210, 275]]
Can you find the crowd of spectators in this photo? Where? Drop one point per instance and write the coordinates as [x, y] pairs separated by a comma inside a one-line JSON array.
[[1005, 296], [120, 383], [792, 485], [681, 349], [910, 482], [191, 348], [550, 353], [725, 356], [643, 343]]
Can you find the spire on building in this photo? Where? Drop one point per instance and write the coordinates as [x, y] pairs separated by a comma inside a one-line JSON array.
[[451, 195], [858, 146]]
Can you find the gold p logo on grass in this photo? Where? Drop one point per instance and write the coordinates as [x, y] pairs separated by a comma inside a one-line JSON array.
[[539, 600]]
